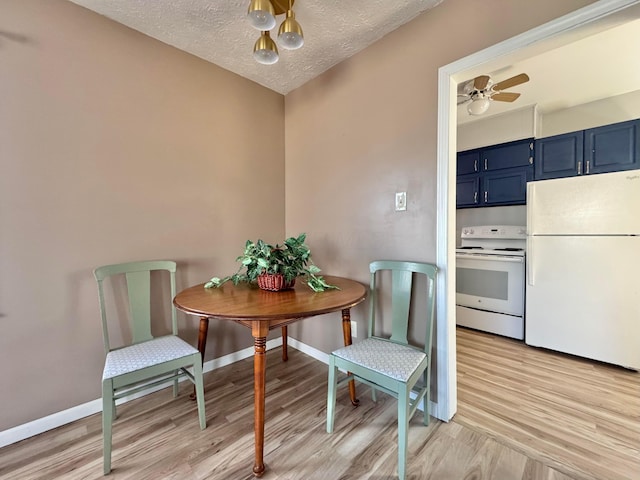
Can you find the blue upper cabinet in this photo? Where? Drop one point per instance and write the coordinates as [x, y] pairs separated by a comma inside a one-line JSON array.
[[507, 155], [468, 162], [559, 156], [612, 147], [603, 149], [495, 175]]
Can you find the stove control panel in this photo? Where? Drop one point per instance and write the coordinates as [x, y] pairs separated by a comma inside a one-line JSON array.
[[495, 231]]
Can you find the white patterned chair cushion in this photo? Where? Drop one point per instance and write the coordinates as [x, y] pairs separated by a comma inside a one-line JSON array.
[[394, 360], [146, 354]]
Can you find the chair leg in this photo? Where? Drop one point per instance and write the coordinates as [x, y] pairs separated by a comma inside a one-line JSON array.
[[403, 431], [175, 383], [108, 409], [197, 373], [332, 387], [427, 395]]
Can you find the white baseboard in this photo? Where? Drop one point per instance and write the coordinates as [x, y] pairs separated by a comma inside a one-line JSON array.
[[55, 420], [309, 350]]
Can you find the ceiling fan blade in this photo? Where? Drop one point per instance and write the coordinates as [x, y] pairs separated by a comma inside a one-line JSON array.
[[505, 96], [481, 82], [511, 82]]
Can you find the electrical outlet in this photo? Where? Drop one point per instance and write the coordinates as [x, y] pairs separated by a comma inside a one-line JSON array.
[[354, 329], [401, 201]]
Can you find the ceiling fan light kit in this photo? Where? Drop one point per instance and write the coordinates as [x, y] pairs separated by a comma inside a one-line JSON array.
[[262, 16], [481, 91], [478, 106]]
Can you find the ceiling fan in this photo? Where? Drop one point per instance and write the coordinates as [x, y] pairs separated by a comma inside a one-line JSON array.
[[478, 93]]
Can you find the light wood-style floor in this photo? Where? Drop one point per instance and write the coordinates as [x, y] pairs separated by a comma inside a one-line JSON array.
[[579, 417], [523, 414]]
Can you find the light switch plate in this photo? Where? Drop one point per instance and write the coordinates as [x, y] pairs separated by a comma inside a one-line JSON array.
[[401, 201]]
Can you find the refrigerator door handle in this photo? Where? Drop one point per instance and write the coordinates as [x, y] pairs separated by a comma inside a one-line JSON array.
[[529, 261], [531, 198]]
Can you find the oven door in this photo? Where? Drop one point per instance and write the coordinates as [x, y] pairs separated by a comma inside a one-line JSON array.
[[490, 282]]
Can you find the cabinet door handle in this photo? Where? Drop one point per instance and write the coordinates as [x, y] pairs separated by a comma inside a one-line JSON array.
[[530, 160], [579, 168], [475, 165], [485, 164], [485, 196], [588, 167], [475, 197]]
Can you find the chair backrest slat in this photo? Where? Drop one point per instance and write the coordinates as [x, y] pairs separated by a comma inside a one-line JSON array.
[[401, 289], [139, 290], [401, 281]]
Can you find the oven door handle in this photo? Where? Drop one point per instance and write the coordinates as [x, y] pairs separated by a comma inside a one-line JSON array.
[[491, 258]]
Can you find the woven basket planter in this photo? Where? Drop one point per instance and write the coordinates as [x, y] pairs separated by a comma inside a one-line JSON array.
[[274, 282]]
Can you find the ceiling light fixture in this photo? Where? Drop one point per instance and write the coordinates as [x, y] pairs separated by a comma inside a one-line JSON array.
[[265, 50], [478, 105], [262, 16], [290, 32]]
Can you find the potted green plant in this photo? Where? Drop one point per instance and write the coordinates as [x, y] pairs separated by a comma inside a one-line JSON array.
[[276, 267]]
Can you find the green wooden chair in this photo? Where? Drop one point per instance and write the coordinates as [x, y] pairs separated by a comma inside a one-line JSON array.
[[147, 361], [391, 364]]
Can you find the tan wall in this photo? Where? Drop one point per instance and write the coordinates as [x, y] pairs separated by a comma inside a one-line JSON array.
[[367, 129], [115, 147]]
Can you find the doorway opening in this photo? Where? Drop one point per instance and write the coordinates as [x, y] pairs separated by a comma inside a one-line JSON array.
[[579, 24]]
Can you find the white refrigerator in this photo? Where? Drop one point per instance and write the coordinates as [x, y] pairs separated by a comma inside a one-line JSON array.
[[583, 266]]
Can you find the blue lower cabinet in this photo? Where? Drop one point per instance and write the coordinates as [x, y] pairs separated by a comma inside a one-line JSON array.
[[502, 187], [507, 187], [468, 190]]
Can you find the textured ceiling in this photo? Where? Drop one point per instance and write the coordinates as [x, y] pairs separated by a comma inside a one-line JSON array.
[[598, 66], [217, 31]]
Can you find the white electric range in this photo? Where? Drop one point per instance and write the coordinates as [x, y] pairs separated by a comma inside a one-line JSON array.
[[490, 279]]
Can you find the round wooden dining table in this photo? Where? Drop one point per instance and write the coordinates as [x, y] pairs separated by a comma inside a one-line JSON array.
[[262, 311]]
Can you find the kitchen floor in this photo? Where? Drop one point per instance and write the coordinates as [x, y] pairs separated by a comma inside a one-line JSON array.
[[578, 416]]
